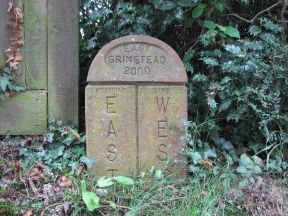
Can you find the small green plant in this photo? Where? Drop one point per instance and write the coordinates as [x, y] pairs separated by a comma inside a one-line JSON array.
[[62, 149], [92, 200], [7, 208], [199, 151], [8, 85], [249, 169]]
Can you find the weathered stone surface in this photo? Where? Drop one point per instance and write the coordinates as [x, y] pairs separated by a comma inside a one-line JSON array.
[[137, 58], [111, 128], [161, 112], [140, 126]]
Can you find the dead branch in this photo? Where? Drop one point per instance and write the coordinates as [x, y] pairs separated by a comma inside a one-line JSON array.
[[257, 15]]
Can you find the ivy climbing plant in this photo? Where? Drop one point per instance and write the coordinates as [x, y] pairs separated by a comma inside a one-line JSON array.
[[9, 74]]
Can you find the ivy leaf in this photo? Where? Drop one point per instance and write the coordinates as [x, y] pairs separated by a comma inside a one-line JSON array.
[[51, 119], [245, 160], [58, 152], [50, 137], [257, 169], [258, 161], [242, 170], [19, 88], [4, 83], [124, 180], [7, 70], [73, 165], [198, 11], [87, 161], [196, 157], [210, 25], [68, 140], [244, 183], [210, 153]]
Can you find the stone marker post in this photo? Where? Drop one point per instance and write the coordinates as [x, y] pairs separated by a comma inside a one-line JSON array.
[[136, 103]]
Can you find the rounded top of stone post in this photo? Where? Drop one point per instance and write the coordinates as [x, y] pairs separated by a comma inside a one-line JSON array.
[[137, 58]]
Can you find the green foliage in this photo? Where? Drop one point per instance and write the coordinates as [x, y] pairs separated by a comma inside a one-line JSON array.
[[249, 169], [122, 180], [7, 208], [8, 83], [199, 10], [245, 86], [91, 199], [63, 149]]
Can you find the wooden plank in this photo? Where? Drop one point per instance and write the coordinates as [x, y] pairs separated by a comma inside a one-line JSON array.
[[63, 59], [35, 50], [4, 31], [25, 114]]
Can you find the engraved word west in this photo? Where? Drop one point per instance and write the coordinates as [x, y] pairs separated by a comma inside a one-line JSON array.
[[136, 102]]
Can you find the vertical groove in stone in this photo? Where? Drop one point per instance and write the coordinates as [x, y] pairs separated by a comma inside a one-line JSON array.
[[137, 130]]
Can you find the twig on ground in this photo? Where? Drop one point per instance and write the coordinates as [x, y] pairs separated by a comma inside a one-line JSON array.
[[31, 184], [25, 184]]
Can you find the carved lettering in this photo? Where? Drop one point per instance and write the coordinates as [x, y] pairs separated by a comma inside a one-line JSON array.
[[110, 104], [156, 60], [111, 59], [141, 47], [118, 59], [111, 130], [162, 59], [162, 128], [162, 106], [162, 91], [137, 59], [112, 171], [126, 48], [136, 47], [112, 152], [163, 152]]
